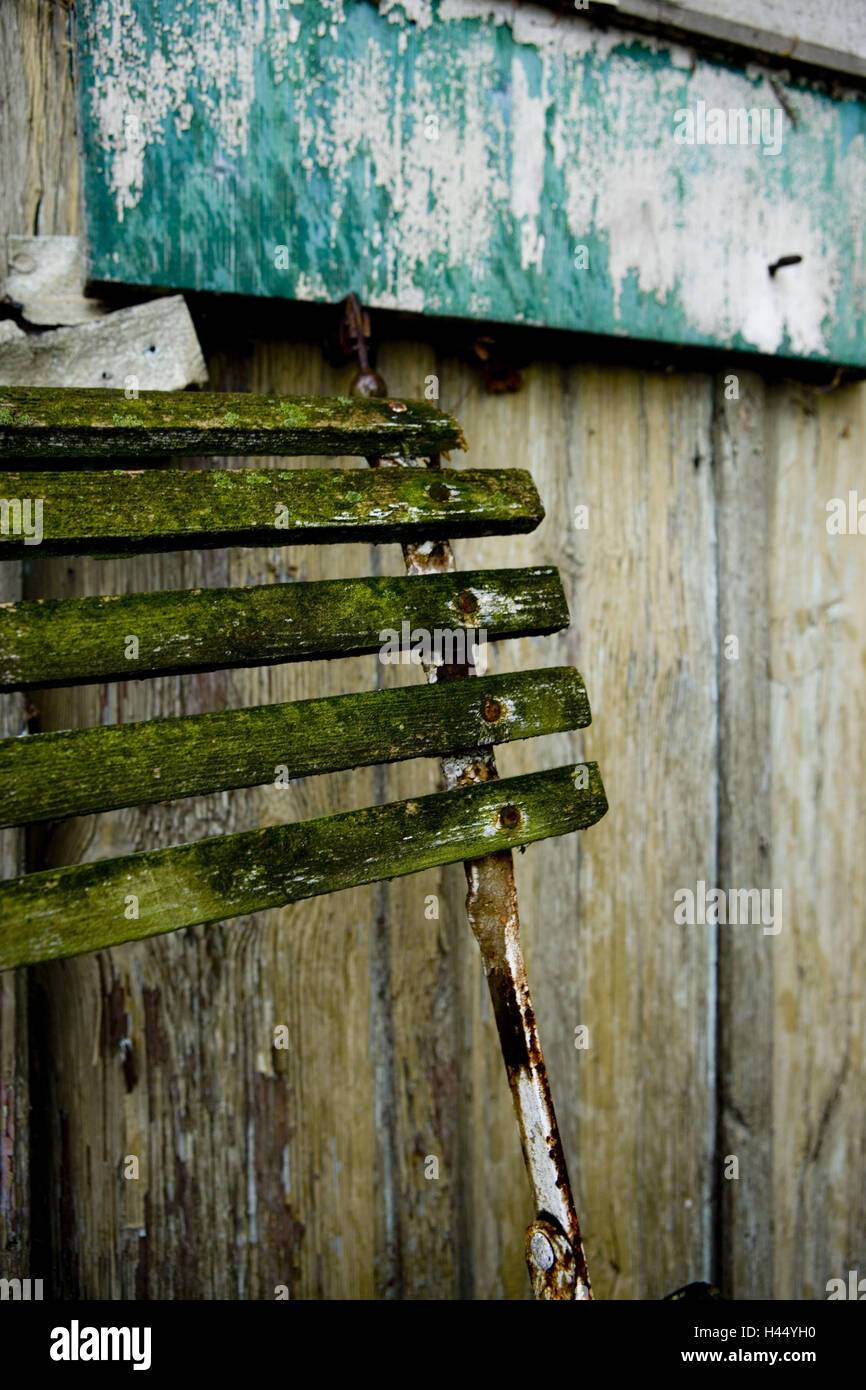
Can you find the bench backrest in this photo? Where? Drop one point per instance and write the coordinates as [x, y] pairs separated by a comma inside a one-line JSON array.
[[105, 511]]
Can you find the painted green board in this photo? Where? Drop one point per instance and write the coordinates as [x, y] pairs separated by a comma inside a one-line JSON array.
[[86, 907], [485, 160]]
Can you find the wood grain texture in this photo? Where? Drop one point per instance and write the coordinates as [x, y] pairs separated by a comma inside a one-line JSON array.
[[744, 1214], [636, 1106], [409, 1021], [38, 193], [112, 511], [645, 615], [815, 445], [416, 1033], [305, 1166]]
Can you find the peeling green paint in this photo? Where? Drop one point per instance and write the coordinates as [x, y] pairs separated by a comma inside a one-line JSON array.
[[454, 156]]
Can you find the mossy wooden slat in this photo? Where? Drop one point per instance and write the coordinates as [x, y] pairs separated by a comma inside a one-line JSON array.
[[43, 422], [64, 912], [46, 642], [78, 771], [102, 513]]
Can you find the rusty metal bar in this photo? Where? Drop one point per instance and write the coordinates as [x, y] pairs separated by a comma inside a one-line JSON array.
[[554, 1249]]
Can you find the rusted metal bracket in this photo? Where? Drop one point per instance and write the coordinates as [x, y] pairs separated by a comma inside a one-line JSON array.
[[554, 1250], [354, 340]]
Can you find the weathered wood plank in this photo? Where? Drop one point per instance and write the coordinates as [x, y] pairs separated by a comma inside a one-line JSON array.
[[96, 513], [817, 793], [744, 1234], [635, 1094], [36, 422], [331, 1080], [63, 912], [146, 347], [38, 190], [644, 986], [46, 642], [46, 279], [78, 771]]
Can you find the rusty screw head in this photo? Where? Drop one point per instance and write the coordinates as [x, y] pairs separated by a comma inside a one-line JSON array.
[[467, 601], [491, 711], [439, 492], [509, 817], [397, 406]]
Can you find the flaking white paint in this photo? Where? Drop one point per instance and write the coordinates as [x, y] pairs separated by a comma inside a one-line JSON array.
[[710, 248]]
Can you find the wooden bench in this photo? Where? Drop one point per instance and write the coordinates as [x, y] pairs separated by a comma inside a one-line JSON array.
[[478, 819]]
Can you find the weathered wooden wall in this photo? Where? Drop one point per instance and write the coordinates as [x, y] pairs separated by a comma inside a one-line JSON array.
[[304, 1167]]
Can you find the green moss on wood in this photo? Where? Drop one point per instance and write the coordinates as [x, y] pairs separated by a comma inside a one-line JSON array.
[[47, 642], [64, 912], [113, 511], [78, 771], [43, 422]]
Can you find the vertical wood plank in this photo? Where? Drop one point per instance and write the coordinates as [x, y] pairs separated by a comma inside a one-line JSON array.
[[637, 1108], [644, 613], [818, 802], [496, 1200], [744, 1235]]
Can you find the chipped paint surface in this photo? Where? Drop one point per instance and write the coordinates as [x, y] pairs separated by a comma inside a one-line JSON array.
[[451, 156]]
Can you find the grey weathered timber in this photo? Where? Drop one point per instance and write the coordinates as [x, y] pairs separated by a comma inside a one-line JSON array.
[[46, 642], [37, 423], [46, 279], [87, 907], [78, 771], [151, 347], [743, 1236], [122, 512]]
